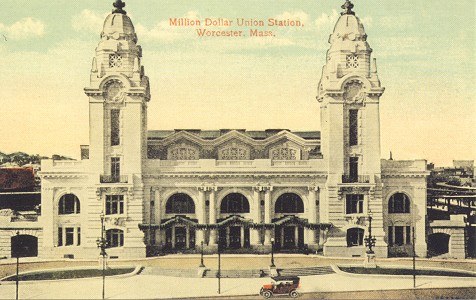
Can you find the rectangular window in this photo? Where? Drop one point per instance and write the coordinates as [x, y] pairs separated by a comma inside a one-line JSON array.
[[115, 168], [354, 169], [115, 125], [399, 235], [390, 235], [60, 236], [408, 235], [114, 204], [79, 236], [353, 127], [69, 236], [354, 204]]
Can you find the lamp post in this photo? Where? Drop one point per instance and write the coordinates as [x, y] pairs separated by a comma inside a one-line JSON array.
[[272, 254], [102, 244], [370, 240], [202, 265]]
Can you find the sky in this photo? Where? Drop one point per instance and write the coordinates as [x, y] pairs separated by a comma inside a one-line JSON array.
[[424, 50]]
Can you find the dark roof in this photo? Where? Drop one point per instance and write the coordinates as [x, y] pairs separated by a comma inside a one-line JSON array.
[[17, 179], [214, 134]]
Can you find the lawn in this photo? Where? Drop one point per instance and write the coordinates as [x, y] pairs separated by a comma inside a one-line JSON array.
[[401, 271], [68, 274]]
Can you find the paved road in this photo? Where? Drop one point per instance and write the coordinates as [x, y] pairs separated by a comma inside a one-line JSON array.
[[162, 287]]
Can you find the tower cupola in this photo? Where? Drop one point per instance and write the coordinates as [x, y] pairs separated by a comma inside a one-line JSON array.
[[349, 55], [118, 25]]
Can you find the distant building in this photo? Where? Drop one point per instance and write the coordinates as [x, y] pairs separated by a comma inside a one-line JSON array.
[[461, 169], [20, 209]]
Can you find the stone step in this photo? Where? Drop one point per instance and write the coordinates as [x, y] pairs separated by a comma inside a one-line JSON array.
[[256, 273], [169, 272]]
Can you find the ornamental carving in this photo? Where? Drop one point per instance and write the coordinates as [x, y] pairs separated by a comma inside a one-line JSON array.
[[183, 152], [284, 153], [234, 153], [354, 92], [352, 190], [116, 221], [355, 220], [114, 91]]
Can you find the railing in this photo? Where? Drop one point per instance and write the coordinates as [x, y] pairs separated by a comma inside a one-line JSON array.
[[113, 179], [234, 163], [292, 163], [66, 163], [355, 179], [177, 163]]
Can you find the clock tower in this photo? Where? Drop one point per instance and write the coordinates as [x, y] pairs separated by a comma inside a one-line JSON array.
[[118, 96], [349, 93]]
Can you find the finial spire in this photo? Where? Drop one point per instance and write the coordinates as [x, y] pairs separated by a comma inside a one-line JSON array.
[[347, 7], [119, 5]]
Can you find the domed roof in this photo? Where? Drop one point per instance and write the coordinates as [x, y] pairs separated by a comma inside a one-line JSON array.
[[118, 25], [348, 26]]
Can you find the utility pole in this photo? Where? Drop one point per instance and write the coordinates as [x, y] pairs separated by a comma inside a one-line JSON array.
[[219, 266], [18, 264]]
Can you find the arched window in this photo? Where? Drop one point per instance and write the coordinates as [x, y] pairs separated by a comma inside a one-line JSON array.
[[355, 237], [289, 203], [180, 204], [114, 238], [234, 203], [69, 204], [399, 203]]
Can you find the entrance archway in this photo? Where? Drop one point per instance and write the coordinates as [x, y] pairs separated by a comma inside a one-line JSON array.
[[24, 245], [438, 244]]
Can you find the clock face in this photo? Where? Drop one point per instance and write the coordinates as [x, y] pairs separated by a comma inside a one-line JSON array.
[[114, 91], [352, 61]]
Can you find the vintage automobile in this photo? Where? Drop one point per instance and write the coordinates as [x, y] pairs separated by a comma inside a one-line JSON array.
[[281, 286]]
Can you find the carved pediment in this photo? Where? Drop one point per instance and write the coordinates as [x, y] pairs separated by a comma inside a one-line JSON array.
[[234, 150], [183, 150]]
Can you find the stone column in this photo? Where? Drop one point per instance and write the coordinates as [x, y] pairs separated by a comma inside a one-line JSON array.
[[256, 214], [200, 215], [267, 214], [173, 237], [227, 237], [187, 237], [311, 215], [213, 217], [242, 236], [158, 215], [296, 236]]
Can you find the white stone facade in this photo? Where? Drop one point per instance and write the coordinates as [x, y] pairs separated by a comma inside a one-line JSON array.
[[243, 190]]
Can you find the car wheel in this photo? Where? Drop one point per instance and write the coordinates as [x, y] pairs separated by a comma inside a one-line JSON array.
[[267, 294], [294, 294]]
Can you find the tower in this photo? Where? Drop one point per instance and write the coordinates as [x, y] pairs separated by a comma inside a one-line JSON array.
[[349, 93], [118, 95]]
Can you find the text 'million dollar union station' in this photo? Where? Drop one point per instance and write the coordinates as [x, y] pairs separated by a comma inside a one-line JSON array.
[[169, 191]]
